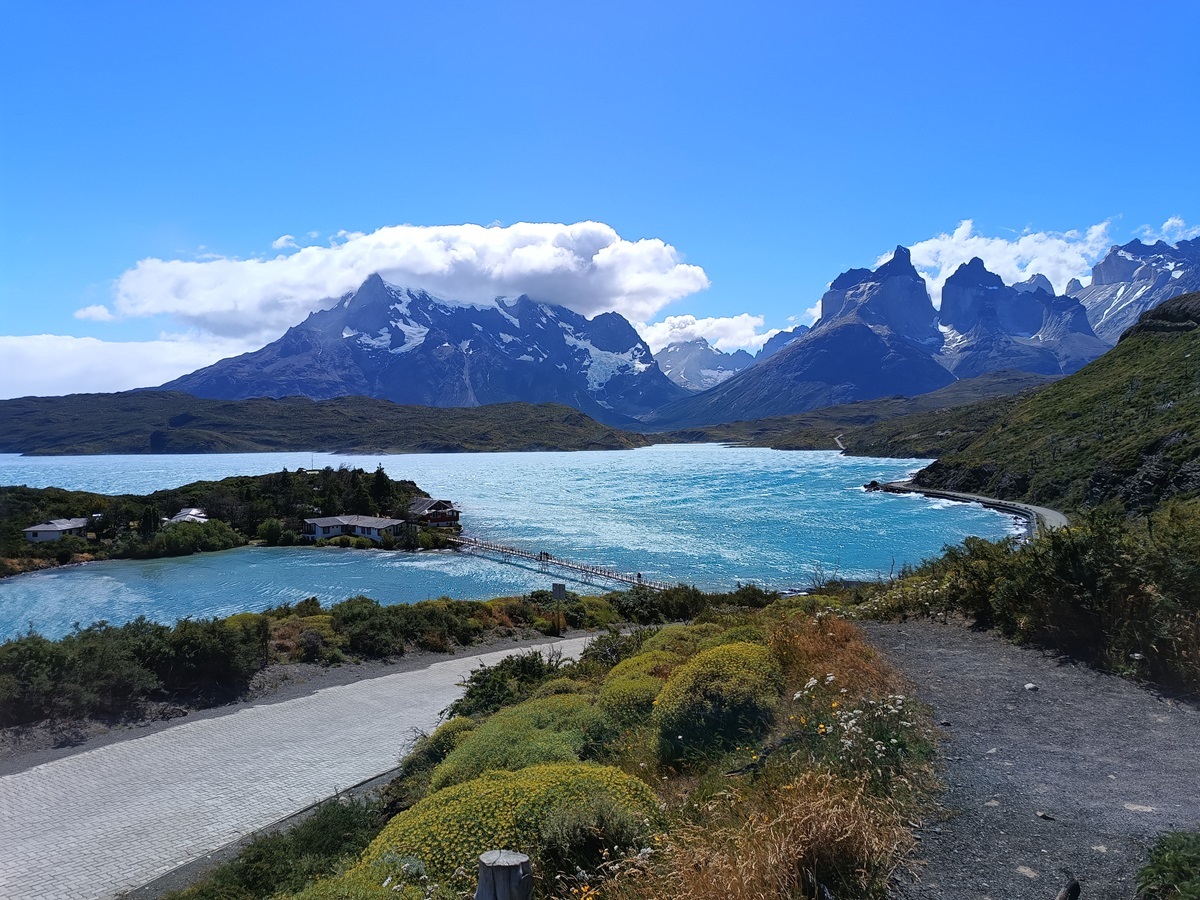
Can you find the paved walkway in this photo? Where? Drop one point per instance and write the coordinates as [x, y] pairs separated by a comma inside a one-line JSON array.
[[111, 819]]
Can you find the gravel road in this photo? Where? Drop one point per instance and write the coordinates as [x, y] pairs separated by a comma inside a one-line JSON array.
[[1080, 771]]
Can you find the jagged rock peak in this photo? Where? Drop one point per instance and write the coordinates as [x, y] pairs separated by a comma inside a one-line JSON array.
[[1073, 286], [1033, 283], [976, 273], [850, 278], [899, 266]]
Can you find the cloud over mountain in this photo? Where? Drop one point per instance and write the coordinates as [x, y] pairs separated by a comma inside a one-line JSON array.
[[723, 332], [1060, 256], [585, 266]]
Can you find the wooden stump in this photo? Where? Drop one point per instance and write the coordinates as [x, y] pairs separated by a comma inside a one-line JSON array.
[[504, 875]]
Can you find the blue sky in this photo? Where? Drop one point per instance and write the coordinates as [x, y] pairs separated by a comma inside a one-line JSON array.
[[759, 149]]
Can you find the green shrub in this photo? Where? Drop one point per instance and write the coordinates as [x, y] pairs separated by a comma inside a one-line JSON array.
[[270, 532], [717, 698], [629, 699], [609, 649], [449, 829], [750, 634], [287, 860], [682, 640], [562, 728], [654, 663], [556, 686], [1173, 872], [510, 681]]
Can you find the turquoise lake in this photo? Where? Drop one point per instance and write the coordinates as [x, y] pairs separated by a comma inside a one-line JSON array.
[[707, 515]]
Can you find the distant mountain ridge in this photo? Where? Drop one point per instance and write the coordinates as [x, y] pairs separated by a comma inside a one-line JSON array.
[[411, 347], [697, 366], [1134, 278], [879, 335]]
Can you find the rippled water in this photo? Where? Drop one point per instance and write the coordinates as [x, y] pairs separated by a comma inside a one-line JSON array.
[[705, 514]]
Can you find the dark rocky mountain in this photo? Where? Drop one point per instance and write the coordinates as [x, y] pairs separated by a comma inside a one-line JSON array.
[[778, 341], [876, 337], [1134, 278], [988, 326], [879, 335], [407, 346], [696, 366]]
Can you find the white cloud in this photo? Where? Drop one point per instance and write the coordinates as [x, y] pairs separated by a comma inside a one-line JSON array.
[[586, 266], [47, 365], [1172, 231], [726, 333], [1060, 256], [97, 313], [285, 242]]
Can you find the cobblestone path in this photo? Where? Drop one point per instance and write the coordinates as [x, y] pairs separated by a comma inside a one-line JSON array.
[[111, 819]]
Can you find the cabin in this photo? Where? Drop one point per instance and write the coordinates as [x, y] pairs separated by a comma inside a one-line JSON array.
[[433, 512], [188, 514], [56, 529], [371, 527]]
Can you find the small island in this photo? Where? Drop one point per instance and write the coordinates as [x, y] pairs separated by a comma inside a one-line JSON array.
[[46, 527]]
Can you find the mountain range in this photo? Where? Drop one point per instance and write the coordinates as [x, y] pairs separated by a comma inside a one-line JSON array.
[[408, 346], [878, 335], [1134, 278]]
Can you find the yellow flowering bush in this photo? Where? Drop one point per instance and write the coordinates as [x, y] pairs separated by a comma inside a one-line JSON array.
[[549, 729], [716, 698], [750, 634], [629, 699], [449, 829], [682, 640], [655, 663]]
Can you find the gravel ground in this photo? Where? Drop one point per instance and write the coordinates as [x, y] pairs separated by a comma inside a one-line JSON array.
[[1079, 772]]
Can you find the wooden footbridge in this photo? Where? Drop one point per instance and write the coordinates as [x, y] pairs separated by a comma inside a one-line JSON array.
[[548, 561]]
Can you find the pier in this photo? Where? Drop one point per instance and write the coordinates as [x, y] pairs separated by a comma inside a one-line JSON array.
[[548, 561]]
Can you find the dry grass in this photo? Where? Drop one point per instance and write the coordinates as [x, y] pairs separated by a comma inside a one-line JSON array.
[[772, 845], [814, 646]]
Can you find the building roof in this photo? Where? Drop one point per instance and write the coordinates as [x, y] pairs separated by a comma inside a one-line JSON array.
[[422, 505], [58, 525], [360, 521]]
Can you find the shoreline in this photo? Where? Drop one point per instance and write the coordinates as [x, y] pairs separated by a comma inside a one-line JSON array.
[[1038, 519]]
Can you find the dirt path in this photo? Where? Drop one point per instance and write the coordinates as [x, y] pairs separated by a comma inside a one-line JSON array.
[[1081, 773]]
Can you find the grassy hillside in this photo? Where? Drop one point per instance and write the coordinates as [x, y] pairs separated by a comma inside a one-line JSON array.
[[1123, 428], [926, 425], [169, 422]]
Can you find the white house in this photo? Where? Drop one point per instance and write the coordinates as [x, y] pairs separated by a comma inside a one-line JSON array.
[[370, 527], [188, 514], [56, 529]]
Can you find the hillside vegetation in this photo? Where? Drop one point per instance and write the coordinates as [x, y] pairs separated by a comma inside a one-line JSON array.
[[171, 422], [926, 425], [1121, 429], [795, 785]]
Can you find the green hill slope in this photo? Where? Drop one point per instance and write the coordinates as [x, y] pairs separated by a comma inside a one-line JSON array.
[[926, 425], [1123, 428], [170, 422]]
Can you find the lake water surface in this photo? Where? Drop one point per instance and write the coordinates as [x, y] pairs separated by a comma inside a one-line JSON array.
[[707, 515]]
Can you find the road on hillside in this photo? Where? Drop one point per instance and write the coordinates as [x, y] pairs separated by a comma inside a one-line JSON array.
[[1080, 771], [107, 820]]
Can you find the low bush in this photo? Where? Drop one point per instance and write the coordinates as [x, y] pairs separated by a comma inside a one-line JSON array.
[[1173, 871], [716, 699], [561, 728], [629, 699], [525, 811], [1123, 595], [510, 681], [288, 860], [681, 640]]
